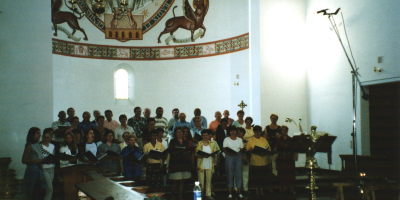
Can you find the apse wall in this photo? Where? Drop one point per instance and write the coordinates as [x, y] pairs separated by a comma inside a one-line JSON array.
[[88, 84], [282, 73], [186, 82], [26, 79]]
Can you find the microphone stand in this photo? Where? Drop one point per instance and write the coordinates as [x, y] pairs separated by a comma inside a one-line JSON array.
[[355, 82]]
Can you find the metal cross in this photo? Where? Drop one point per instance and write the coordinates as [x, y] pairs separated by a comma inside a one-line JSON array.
[[242, 105]]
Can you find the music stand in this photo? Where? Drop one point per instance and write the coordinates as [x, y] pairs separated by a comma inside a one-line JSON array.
[[310, 145]]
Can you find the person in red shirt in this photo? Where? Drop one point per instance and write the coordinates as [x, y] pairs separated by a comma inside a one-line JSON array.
[[214, 124]]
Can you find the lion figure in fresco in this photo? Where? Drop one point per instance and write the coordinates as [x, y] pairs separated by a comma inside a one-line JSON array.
[[59, 17], [192, 19]]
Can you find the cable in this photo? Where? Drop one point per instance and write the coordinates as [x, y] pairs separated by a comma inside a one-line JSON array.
[[348, 43]]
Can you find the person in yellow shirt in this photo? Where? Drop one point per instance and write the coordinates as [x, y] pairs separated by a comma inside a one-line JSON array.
[[259, 172], [154, 175]]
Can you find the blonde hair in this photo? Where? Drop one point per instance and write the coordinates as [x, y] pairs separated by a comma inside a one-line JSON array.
[[131, 136]]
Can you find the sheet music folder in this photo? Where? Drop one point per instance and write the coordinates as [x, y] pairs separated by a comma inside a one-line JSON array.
[[229, 150], [157, 155], [131, 157], [198, 137], [261, 151], [205, 154], [90, 156]]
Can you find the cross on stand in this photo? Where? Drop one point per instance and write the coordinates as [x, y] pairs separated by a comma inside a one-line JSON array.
[[242, 105]]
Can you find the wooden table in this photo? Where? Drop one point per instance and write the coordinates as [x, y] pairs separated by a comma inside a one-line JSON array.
[[101, 188]]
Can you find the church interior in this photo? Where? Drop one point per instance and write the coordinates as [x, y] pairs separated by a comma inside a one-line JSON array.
[[276, 56]]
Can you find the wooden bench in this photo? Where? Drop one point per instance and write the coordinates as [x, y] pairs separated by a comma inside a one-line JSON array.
[[339, 191]]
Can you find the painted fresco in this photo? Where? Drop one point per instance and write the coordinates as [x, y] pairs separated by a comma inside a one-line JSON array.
[[192, 20], [148, 53], [122, 20], [71, 18], [122, 28]]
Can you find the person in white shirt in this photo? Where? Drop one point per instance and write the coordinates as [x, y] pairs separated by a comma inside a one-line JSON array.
[[59, 127], [124, 127], [233, 161], [160, 121], [88, 145], [48, 169], [147, 113], [109, 122], [69, 148], [61, 121]]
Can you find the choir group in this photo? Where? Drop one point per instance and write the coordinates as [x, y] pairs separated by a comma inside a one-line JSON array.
[[157, 148]]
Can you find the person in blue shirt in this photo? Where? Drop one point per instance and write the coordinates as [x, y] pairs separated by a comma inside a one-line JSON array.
[[181, 122], [197, 112], [172, 121], [196, 130], [131, 170], [86, 124]]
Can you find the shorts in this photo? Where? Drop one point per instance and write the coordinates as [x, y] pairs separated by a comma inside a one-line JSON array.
[[180, 175]]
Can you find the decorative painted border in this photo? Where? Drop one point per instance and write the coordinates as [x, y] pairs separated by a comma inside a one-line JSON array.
[[230, 45], [147, 25]]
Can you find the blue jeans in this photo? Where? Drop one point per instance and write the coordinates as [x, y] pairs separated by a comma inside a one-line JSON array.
[[233, 166], [32, 174]]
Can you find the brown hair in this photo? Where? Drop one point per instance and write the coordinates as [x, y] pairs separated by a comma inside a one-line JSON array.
[[284, 126], [274, 115], [240, 111], [72, 146], [105, 136], [189, 135]]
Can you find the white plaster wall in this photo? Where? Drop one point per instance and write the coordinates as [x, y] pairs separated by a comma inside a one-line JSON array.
[[88, 84], [373, 31], [372, 27], [283, 77], [26, 79], [225, 19], [254, 63]]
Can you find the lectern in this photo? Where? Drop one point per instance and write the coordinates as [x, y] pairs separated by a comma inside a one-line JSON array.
[[73, 175], [310, 145]]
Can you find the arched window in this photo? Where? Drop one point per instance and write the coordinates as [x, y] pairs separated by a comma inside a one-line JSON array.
[[121, 84]]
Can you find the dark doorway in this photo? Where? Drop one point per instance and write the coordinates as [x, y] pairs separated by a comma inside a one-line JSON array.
[[384, 108]]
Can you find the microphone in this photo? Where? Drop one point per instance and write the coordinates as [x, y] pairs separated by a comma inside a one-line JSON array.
[[336, 12], [322, 11], [325, 13]]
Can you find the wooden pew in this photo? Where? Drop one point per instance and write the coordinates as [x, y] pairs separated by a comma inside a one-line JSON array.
[[72, 175]]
